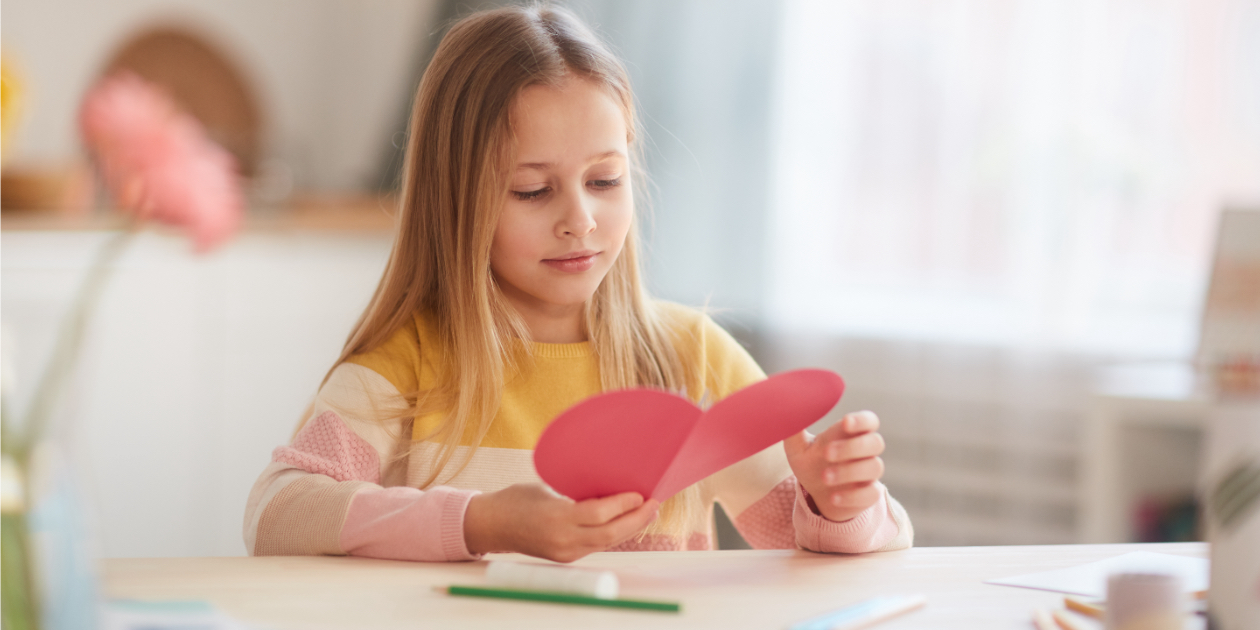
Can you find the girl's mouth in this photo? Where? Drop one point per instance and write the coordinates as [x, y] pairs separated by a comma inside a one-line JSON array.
[[574, 264]]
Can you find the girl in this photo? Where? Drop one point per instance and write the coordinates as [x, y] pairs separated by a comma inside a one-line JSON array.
[[513, 292]]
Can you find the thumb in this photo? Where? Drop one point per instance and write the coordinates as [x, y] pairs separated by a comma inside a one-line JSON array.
[[796, 444]]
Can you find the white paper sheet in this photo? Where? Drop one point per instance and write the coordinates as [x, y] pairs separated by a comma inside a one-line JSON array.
[[1091, 579]]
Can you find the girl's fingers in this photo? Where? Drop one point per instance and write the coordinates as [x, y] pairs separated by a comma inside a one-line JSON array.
[[862, 446], [593, 512], [633, 522], [833, 433], [859, 471], [860, 495], [859, 422], [850, 426], [603, 536]]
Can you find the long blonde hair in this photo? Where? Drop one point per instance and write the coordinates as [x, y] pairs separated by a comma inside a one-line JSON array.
[[456, 178]]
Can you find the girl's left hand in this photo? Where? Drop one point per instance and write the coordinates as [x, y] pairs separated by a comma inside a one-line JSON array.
[[840, 466]]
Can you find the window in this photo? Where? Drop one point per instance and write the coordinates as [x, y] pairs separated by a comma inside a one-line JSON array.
[[1034, 174]]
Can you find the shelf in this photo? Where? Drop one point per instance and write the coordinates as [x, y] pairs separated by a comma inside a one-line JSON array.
[[308, 213], [1140, 439]]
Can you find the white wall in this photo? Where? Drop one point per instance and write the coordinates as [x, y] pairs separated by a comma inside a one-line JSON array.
[[332, 76], [194, 370]]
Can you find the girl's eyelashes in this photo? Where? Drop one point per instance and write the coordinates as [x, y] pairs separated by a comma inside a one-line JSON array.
[[536, 194], [604, 184], [530, 195]]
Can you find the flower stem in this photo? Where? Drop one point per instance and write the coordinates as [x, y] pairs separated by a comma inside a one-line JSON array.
[[20, 610], [61, 364]]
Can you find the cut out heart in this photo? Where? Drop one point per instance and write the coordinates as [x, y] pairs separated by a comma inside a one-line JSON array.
[[656, 443]]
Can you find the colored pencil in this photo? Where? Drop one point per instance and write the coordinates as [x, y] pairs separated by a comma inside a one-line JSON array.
[[558, 598], [1085, 607]]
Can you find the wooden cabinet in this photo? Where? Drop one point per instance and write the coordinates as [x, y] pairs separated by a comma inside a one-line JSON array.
[[194, 368]]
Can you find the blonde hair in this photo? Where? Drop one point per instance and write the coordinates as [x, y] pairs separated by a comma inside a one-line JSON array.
[[459, 158]]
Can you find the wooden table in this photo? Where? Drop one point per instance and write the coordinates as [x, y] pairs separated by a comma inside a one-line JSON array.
[[718, 589]]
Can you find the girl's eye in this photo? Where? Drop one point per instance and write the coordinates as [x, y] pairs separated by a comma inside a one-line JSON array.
[[529, 195], [604, 184]]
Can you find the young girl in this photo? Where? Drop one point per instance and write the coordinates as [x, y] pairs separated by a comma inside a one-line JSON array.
[[513, 292]]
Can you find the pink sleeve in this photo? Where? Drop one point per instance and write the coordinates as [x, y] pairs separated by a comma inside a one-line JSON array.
[[397, 523], [404, 523], [326, 446], [767, 524], [783, 519], [868, 531]]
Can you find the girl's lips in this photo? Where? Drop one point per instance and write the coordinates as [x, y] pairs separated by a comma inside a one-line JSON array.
[[572, 265]]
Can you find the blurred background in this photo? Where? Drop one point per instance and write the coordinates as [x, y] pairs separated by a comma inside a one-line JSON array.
[[1025, 232]]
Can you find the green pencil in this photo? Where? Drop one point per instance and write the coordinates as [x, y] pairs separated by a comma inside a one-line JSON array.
[[558, 598]]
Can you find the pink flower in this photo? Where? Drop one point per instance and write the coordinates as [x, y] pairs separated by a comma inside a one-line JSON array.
[[157, 161]]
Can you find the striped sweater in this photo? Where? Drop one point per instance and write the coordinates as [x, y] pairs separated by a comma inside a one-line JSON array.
[[352, 483]]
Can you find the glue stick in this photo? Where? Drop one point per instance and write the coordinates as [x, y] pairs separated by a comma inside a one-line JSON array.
[[541, 577]]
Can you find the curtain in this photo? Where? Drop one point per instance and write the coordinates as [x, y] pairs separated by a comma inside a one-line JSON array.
[[701, 71]]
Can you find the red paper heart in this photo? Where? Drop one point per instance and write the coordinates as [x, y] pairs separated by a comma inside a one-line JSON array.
[[656, 443]]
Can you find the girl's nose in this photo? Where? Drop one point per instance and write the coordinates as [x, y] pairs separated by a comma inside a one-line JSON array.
[[577, 220]]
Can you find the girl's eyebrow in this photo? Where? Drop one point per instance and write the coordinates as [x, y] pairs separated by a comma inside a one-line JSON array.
[[542, 166]]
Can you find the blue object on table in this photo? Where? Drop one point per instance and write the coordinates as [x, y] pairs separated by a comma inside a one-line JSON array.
[[862, 614]]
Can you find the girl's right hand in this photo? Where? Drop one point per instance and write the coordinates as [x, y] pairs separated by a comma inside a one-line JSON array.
[[530, 518]]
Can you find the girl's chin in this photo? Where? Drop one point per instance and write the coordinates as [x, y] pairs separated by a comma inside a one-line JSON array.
[[552, 300], [550, 293], [577, 298]]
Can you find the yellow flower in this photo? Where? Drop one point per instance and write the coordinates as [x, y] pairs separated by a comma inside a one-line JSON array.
[[12, 487], [11, 91]]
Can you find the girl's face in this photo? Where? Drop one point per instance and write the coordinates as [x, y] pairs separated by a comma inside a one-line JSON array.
[[569, 203]]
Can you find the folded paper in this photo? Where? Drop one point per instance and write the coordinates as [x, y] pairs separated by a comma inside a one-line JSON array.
[[657, 443], [1091, 579]]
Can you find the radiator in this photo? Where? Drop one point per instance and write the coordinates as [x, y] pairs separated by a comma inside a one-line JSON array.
[[982, 443]]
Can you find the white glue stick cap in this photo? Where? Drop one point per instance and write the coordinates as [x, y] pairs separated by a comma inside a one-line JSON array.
[[542, 577]]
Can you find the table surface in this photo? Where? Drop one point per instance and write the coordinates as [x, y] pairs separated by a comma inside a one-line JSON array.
[[718, 589]]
